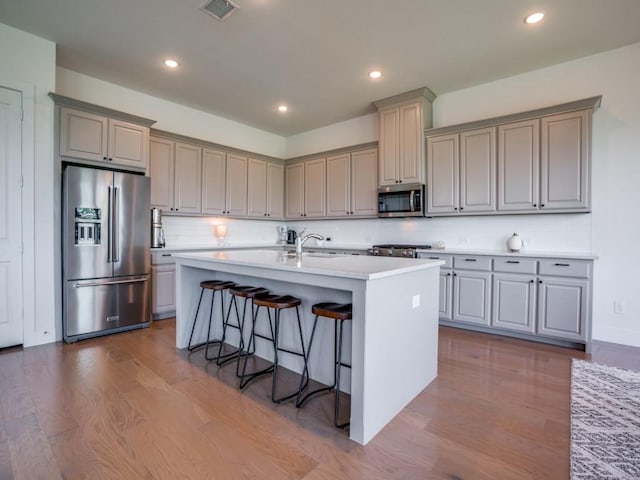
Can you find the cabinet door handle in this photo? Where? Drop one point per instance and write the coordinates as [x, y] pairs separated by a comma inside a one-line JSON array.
[[539, 281], [461, 208], [541, 205], [531, 281], [535, 204], [513, 261], [470, 260], [561, 264]]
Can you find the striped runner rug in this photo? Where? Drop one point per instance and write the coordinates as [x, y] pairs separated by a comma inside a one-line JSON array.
[[605, 422]]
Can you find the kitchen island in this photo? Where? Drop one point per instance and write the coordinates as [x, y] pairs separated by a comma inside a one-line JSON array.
[[393, 345]]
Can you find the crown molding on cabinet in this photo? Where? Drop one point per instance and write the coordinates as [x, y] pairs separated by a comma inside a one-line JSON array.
[[203, 143], [586, 103], [405, 97], [100, 110], [330, 153]]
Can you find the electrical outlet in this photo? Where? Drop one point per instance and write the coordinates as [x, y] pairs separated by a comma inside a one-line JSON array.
[[416, 301], [618, 307]]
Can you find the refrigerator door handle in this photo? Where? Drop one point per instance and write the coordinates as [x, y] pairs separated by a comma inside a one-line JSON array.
[[116, 227], [114, 282], [110, 226]]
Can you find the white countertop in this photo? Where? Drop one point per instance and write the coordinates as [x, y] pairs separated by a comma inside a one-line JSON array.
[[361, 267], [505, 253]]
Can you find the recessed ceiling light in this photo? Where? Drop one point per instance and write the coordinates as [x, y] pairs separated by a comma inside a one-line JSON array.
[[375, 74], [534, 17], [171, 63], [282, 108]]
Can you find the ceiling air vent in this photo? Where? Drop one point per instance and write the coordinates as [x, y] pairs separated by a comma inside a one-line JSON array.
[[220, 9]]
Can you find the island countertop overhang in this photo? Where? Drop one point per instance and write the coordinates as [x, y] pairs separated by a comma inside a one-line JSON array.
[[357, 267]]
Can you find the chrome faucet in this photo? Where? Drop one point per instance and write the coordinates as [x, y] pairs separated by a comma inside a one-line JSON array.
[[301, 239]]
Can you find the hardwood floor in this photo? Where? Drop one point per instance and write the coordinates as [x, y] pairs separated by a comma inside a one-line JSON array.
[[129, 406]]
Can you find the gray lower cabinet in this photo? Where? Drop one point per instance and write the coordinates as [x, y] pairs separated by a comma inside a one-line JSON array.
[[514, 302], [163, 282], [539, 298], [471, 297], [563, 307]]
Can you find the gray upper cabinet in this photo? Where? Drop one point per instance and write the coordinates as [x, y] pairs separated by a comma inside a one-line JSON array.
[[442, 174], [224, 183], [315, 187], [461, 172], [161, 171], [236, 185], [543, 162], [403, 119], [478, 170], [188, 183], [352, 184], [401, 144], [265, 189], [97, 138], [214, 177], [519, 165], [306, 188], [175, 170], [565, 161]]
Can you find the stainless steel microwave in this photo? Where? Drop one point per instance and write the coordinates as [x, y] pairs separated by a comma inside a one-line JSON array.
[[401, 200]]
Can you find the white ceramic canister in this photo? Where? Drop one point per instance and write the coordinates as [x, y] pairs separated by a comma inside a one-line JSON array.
[[514, 244]]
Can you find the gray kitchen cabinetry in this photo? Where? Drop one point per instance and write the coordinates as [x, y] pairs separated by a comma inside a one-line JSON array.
[[554, 302], [461, 172], [471, 289], [224, 183], [97, 138], [565, 161], [265, 189], [465, 288], [352, 184], [403, 119], [306, 189], [514, 294], [188, 178], [519, 165], [163, 282], [175, 171], [543, 299], [543, 160]]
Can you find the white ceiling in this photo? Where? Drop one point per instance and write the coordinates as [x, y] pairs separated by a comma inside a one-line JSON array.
[[315, 55]]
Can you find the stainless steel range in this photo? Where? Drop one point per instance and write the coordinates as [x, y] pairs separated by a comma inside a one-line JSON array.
[[397, 250]]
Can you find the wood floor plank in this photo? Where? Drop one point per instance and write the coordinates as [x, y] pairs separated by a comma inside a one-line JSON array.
[[132, 406], [31, 454]]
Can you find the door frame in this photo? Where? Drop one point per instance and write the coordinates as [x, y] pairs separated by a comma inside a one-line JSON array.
[[27, 166]]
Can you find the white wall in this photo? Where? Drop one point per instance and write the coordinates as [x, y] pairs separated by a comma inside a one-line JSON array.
[[344, 134], [199, 231], [616, 170], [611, 231], [169, 116], [28, 65]]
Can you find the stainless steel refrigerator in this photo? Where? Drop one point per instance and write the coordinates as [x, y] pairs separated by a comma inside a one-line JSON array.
[[106, 256]]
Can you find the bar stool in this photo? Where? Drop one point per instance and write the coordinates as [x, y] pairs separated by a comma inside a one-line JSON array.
[[214, 286], [338, 312], [248, 293], [277, 303]]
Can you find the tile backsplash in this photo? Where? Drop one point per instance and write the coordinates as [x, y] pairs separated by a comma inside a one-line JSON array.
[[544, 233]]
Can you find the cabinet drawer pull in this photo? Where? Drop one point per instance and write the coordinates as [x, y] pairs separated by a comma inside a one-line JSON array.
[[561, 264], [166, 254], [513, 261], [434, 258], [470, 260]]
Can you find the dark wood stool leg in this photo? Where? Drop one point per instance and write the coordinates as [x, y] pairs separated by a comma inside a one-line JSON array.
[[338, 367]]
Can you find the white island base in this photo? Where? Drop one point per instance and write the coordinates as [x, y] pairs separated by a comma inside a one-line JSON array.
[[393, 346]]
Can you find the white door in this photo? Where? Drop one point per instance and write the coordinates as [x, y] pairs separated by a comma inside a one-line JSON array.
[[11, 322]]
